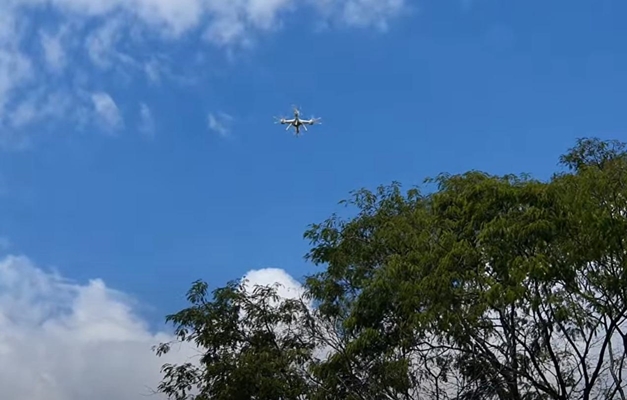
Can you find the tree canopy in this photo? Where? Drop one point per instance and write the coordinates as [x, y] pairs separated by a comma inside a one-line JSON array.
[[486, 287]]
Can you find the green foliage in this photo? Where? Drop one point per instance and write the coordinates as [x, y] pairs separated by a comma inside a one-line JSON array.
[[499, 287], [251, 347]]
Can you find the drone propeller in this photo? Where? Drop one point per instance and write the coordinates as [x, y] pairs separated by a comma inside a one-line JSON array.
[[296, 108]]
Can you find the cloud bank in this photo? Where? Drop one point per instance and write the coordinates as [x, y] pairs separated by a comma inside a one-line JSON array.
[[55, 55], [60, 340]]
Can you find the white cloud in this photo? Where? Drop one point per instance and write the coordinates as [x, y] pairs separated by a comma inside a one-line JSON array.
[[153, 71], [289, 288], [53, 51], [37, 111], [61, 340], [15, 69], [87, 41], [39, 105], [219, 123], [107, 110], [176, 17], [101, 45], [146, 121], [371, 12]]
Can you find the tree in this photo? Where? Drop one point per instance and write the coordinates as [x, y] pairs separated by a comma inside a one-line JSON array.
[[252, 341], [500, 287]]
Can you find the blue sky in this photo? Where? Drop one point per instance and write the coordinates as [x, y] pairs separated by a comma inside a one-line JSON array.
[[110, 169]]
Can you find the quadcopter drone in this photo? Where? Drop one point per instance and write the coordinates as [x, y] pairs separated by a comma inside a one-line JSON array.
[[297, 122]]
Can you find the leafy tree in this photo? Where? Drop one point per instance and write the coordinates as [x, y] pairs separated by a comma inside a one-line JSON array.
[[252, 341], [500, 287]]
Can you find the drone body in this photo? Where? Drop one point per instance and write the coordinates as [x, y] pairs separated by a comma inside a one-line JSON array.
[[297, 122]]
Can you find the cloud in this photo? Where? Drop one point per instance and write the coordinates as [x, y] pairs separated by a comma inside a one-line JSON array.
[[53, 51], [107, 110], [39, 111], [153, 70], [289, 288], [146, 121], [15, 69], [364, 13], [39, 105], [102, 45], [61, 340], [219, 123], [82, 44]]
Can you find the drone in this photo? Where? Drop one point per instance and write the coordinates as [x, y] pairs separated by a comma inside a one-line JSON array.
[[297, 122]]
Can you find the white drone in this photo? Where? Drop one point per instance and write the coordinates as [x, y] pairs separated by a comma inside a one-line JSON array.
[[297, 122]]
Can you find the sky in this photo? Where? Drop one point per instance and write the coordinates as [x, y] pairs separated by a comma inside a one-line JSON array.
[[138, 150]]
